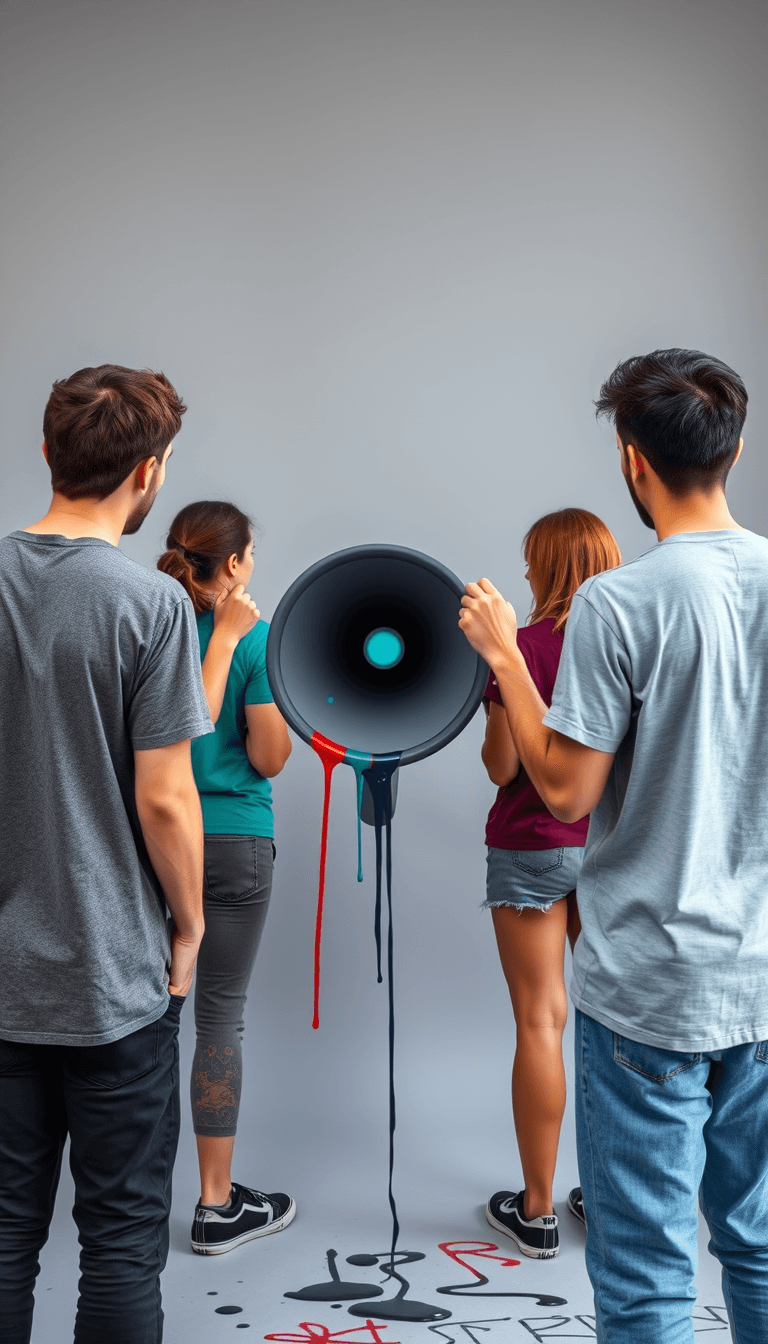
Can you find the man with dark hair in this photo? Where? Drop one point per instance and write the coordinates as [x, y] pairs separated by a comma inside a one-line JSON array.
[[100, 694], [658, 729]]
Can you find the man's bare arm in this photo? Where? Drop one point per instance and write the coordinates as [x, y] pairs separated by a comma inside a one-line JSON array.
[[569, 777], [168, 805]]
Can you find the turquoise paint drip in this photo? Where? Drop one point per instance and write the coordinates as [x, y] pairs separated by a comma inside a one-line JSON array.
[[359, 762]]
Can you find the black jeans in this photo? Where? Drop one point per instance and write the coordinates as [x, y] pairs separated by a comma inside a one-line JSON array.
[[236, 892], [119, 1103]]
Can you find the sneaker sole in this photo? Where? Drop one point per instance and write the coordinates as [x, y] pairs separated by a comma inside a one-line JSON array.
[[575, 1212], [276, 1226], [521, 1245]]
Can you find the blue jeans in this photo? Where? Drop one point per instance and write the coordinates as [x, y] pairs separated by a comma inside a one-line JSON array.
[[654, 1129], [120, 1105]]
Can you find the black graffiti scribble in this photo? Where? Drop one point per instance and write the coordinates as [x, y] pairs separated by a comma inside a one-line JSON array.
[[485, 1249], [717, 1314], [335, 1290], [544, 1328], [397, 1308], [550, 1327], [464, 1325]]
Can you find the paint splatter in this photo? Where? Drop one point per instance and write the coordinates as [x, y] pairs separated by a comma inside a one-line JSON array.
[[400, 1308], [335, 1289], [485, 1249], [320, 1334], [228, 1311]]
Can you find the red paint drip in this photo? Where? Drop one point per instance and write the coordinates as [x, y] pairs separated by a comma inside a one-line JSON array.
[[484, 1249], [330, 754]]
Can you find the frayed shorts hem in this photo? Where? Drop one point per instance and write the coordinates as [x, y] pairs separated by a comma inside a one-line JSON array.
[[520, 906]]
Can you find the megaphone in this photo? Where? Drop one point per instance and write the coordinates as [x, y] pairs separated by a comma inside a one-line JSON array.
[[366, 651], [367, 663]]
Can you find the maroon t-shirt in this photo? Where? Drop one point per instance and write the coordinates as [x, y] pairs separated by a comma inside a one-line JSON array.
[[518, 818]]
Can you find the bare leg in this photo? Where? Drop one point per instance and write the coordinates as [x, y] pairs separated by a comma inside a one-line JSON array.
[[214, 1155], [532, 949]]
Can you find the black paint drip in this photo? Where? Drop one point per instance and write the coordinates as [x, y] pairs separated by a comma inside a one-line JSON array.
[[379, 779], [397, 1308], [463, 1290], [336, 1290], [228, 1311]]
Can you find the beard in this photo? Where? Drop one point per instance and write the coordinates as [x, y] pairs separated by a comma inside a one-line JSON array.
[[134, 520], [645, 516]]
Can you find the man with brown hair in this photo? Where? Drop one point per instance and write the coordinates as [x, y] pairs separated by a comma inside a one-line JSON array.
[[100, 694]]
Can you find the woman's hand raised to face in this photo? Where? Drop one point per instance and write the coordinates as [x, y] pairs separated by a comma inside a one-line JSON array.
[[235, 613], [489, 622]]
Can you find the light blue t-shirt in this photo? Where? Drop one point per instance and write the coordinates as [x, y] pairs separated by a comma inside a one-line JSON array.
[[665, 662]]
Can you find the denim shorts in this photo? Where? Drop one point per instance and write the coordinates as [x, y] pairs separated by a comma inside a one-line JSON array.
[[531, 878]]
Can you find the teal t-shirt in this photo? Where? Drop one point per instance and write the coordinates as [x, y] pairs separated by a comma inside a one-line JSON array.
[[235, 798]]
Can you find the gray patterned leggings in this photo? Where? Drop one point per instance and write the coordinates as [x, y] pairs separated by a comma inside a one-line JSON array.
[[236, 890]]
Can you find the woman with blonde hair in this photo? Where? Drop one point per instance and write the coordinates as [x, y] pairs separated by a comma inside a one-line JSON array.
[[533, 863]]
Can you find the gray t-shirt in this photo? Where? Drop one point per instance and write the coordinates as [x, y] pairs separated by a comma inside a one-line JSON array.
[[665, 663], [98, 657]]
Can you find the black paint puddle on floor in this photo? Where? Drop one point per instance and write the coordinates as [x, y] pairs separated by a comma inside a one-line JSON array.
[[397, 1308], [335, 1290]]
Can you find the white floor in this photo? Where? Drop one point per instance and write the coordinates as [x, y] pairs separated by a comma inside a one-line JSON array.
[[455, 1147]]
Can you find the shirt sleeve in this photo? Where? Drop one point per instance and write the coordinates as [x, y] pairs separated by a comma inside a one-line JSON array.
[[592, 699], [257, 688], [168, 703]]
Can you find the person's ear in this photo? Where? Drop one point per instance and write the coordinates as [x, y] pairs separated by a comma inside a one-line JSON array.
[[733, 464], [232, 563], [636, 462], [144, 473], [45, 451]]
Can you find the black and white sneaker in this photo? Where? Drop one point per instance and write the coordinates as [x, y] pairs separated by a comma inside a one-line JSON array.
[[250, 1214], [536, 1237], [576, 1204]]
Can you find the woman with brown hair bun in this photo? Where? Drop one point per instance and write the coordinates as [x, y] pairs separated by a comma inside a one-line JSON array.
[[533, 864], [210, 552]]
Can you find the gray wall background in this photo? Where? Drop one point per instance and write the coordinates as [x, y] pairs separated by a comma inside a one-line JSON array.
[[387, 250]]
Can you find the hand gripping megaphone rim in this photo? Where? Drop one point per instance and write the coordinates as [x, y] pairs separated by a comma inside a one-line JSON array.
[[351, 554]]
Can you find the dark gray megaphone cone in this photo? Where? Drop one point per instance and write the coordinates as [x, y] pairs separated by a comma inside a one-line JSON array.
[[411, 693]]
